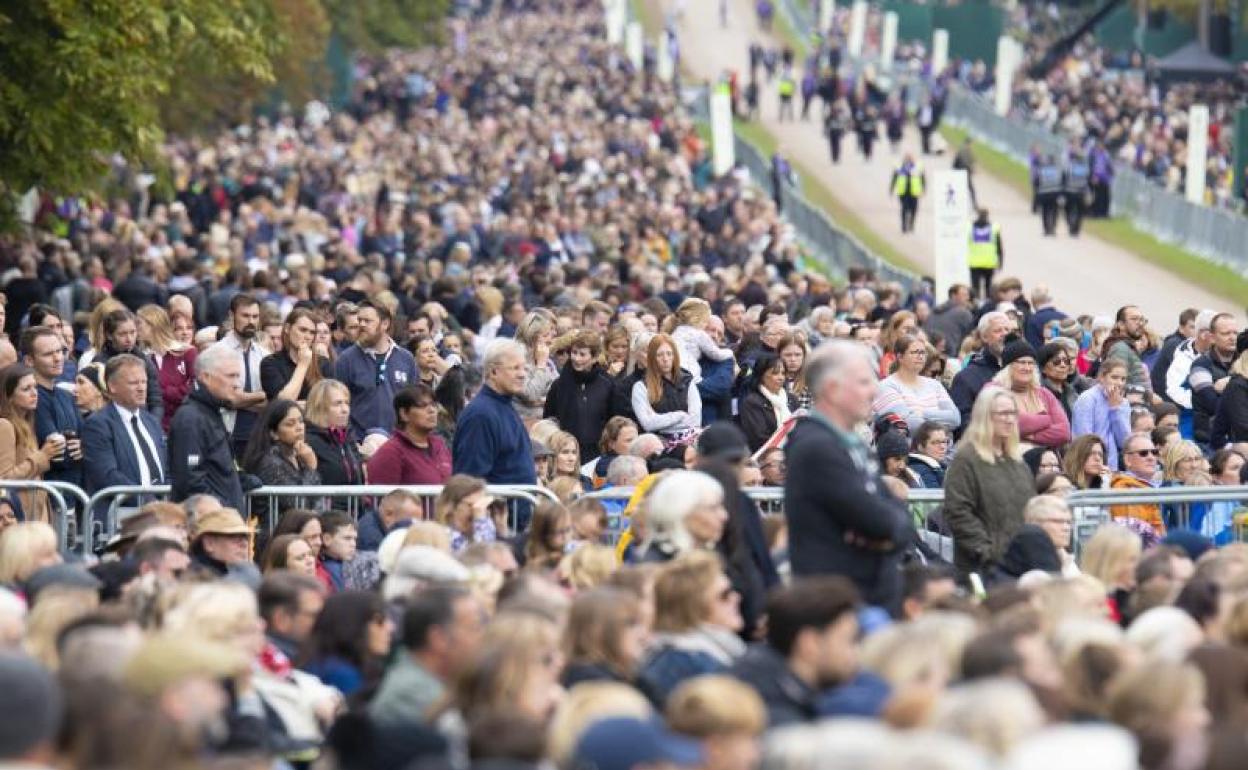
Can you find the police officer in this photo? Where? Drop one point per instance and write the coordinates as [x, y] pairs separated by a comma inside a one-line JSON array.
[[836, 121], [985, 254], [1075, 185], [1048, 185], [907, 186], [787, 88]]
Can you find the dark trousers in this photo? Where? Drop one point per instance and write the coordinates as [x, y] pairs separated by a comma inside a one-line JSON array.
[[834, 144], [909, 209], [1048, 212], [925, 139], [981, 280], [865, 142], [1100, 200], [1074, 212]]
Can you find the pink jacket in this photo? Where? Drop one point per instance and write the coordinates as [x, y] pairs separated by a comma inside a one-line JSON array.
[[1049, 428]]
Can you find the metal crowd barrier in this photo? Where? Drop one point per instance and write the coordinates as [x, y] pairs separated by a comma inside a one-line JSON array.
[[354, 500], [62, 514]]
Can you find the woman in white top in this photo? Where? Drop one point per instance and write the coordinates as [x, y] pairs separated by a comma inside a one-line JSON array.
[[911, 396], [666, 401], [688, 330]]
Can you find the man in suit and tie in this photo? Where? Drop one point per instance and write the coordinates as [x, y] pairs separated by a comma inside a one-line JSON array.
[[122, 443]]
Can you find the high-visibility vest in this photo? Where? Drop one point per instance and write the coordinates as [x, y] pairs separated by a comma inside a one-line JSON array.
[[787, 86], [983, 249], [912, 179]]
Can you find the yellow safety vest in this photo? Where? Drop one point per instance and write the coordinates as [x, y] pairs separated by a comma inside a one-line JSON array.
[[983, 249], [787, 86], [913, 180]]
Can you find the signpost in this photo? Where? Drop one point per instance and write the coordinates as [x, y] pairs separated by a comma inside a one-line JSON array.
[[951, 199], [723, 154], [1197, 152]]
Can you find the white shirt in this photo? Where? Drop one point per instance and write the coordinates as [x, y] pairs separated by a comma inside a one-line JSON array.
[[145, 476], [257, 352]]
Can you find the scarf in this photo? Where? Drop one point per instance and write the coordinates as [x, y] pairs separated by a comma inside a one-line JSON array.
[[779, 404], [337, 435]]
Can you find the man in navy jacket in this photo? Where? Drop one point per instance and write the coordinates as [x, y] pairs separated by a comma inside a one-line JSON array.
[[123, 441], [490, 440], [374, 369], [842, 521]]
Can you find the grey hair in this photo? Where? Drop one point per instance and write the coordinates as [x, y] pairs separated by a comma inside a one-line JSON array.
[[212, 358], [829, 362], [1078, 747], [626, 470], [676, 495], [818, 314], [643, 442], [1040, 295], [988, 318], [498, 350], [641, 341], [1043, 506]]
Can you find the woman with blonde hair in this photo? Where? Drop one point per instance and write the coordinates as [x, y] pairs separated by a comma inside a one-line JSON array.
[[21, 457], [987, 485], [537, 332], [463, 506], [1111, 556], [26, 547], [696, 622], [326, 418], [567, 460], [516, 669], [58, 606], [588, 567], [1184, 465], [605, 637], [96, 337], [174, 360], [687, 327], [666, 401], [616, 346], [1041, 418], [428, 533]]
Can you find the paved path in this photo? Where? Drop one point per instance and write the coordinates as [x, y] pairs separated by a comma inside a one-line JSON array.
[[1086, 275]]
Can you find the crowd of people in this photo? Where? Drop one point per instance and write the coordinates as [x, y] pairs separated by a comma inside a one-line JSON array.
[[508, 263]]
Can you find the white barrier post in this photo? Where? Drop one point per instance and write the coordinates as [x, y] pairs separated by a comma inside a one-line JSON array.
[[633, 45], [1007, 62], [857, 28], [664, 66], [723, 154], [940, 51], [827, 12], [1197, 152], [617, 17], [952, 218], [888, 41]]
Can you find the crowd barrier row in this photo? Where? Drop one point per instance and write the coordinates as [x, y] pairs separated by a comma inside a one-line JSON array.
[[82, 521]]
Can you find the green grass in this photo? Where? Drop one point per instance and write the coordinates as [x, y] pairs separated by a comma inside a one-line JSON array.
[[1119, 231]]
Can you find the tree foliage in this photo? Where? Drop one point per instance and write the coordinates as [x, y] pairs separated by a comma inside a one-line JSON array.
[[81, 80]]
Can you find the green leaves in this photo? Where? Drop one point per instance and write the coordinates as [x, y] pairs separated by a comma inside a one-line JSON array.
[[82, 80]]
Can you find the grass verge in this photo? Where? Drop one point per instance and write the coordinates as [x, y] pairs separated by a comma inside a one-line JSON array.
[[1192, 268]]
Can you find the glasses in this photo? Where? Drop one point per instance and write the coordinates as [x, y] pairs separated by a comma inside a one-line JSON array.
[[1060, 361], [1152, 452]]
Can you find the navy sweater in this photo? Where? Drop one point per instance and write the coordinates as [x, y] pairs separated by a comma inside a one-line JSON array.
[[491, 442]]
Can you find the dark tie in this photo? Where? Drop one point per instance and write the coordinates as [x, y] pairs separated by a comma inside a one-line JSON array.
[[247, 369], [153, 467]]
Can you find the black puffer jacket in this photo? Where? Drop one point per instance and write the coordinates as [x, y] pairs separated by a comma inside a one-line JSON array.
[[200, 460], [581, 402]]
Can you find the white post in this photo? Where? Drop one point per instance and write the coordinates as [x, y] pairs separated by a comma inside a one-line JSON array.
[[940, 51], [664, 66], [1007, 62], [723, 154], [952, 218], [616, 19], [633, 45], [1197, 152], [888, 41], [827, 12], [857, 28]]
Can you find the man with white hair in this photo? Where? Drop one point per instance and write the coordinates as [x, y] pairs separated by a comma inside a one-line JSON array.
[[490, 440], [1043, 313], [984, 365], [841, 519], [200, 460]]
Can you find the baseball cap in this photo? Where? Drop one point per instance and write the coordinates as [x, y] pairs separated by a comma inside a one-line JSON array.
[[723, 440], [623, 743], [223, 521]]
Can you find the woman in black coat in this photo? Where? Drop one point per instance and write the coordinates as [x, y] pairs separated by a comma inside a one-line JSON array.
[[581, 398], [1230, 423], [767, 403], [338, 460]]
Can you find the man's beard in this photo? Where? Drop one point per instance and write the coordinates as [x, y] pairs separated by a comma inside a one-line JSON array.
[[247, 332]]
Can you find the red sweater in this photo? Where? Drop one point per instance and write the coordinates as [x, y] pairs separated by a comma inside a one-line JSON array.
[[399, 461], [177, 375]]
